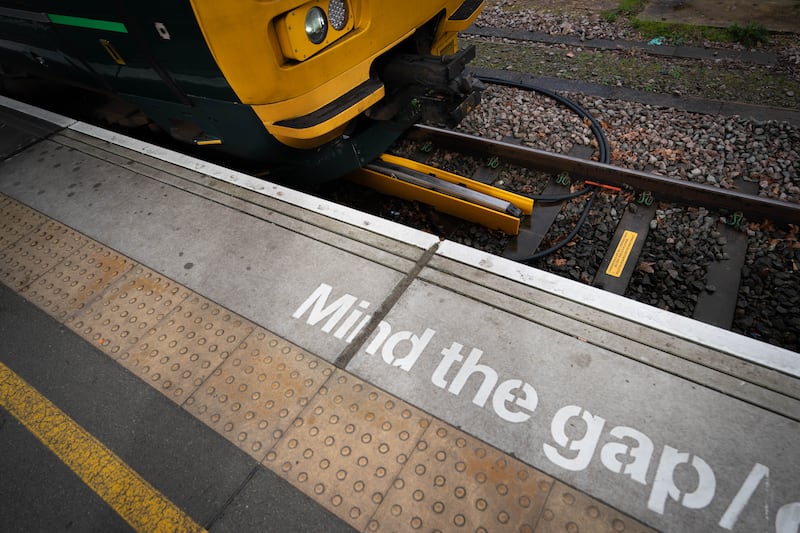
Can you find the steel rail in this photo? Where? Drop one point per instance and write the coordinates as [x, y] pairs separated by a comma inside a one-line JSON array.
[[663, 188]]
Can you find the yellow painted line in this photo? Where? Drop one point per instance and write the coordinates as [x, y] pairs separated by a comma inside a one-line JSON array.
[[621, 254], [133, 498]]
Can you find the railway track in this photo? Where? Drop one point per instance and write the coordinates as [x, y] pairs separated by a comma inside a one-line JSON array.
[[634, 255], [666, 189]]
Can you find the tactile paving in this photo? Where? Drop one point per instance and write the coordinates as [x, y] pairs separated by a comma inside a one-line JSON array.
[[37, 252], [68, 287], [138, 301], [256, 394], [456, 482], [178, 353], [571, 511], [16, 220], [348, 446]]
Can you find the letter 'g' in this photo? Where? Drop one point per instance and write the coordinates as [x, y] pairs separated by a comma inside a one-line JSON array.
[[585, 446]]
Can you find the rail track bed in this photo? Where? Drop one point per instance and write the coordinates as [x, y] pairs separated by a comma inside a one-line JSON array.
[[722, 256], [734, 262]]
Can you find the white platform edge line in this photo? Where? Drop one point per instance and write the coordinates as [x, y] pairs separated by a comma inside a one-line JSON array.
[[54, 118], [683, 327]]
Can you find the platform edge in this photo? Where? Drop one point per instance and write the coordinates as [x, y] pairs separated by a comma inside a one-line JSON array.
[[713, 337]]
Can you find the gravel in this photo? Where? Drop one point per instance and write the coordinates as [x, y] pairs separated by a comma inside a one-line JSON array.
[[500, 14], [673, 265], [768, 307], [589, 23], [775, 85], [702, 148]]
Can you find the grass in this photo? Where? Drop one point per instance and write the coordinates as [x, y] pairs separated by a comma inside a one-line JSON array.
[[680, 33], [725, 81], [748, 35], [626, 9]]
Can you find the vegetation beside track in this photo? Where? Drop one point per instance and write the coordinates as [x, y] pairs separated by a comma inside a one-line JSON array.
[[715, 79]]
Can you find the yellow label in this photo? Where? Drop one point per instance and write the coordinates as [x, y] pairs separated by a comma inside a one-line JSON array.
[[622, 254]]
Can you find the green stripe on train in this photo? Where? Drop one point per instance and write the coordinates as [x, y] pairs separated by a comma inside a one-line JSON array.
[[94, 24]]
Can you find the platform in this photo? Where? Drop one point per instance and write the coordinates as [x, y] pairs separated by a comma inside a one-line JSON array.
[[397, 381]]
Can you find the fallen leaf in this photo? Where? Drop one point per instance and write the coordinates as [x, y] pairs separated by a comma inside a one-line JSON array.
[[646, 267]]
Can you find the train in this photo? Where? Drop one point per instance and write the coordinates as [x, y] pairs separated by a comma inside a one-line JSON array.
[[311, 88]]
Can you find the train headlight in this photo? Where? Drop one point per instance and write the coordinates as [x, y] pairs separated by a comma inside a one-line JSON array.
[[337, 13], [309, 28], [316, 25]]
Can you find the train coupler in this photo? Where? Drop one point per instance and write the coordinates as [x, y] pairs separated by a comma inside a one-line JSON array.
[[447, 91]]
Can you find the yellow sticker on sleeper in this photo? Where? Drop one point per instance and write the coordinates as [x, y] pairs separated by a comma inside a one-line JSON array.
[[622, 253]]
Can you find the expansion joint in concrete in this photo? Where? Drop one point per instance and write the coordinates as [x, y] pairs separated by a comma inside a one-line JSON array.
[[352, 349]]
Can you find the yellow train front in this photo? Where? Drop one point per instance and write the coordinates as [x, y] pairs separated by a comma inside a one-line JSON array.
[[315, 88]]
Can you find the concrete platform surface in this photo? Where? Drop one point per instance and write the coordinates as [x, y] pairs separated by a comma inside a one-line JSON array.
[[398, 381]]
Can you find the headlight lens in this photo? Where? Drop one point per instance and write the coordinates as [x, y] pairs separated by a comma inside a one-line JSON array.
[[313, 26], [337, 13], [316, 25]]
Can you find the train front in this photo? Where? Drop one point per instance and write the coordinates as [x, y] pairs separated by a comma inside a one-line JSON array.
[[337, 81]]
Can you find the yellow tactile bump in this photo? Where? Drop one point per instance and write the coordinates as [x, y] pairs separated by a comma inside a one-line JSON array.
[[65, 290], [456, 482], [37, 252], [16, 220], [178, 353], [347, 446], [570, 511], [256, 394], [117, 322]]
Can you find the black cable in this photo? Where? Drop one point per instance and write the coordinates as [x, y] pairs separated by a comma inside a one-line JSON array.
[[597, 129], [568, 238], [563, 197], [604, 157]]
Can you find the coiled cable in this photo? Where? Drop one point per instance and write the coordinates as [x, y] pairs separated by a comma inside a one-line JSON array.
[[604, 156]]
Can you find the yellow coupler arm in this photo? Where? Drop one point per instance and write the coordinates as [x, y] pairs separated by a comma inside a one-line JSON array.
[[457, 207]]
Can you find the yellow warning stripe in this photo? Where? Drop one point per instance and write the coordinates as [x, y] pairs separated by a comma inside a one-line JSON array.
[[133, 498]]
